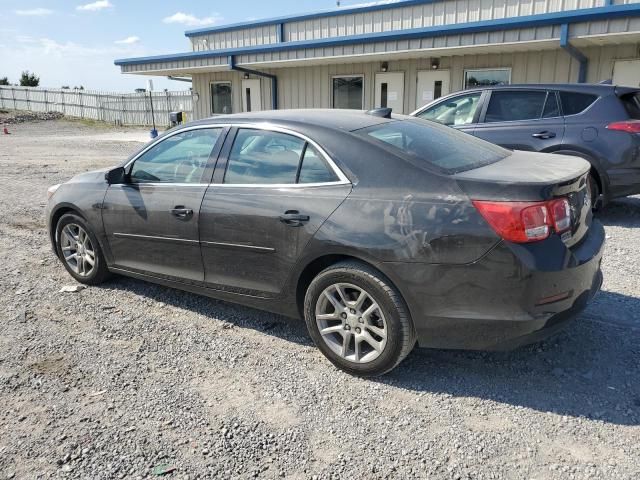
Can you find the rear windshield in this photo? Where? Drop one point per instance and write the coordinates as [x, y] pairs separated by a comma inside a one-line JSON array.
[[631, 104], [446, 148]]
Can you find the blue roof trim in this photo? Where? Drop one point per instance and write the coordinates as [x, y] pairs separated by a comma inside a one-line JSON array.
[[333, 12], [556, 18]]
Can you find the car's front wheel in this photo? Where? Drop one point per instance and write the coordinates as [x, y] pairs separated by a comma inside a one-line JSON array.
[[80, 251], [358, 319]]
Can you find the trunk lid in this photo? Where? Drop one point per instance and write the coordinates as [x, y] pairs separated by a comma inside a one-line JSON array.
[[535, 177]]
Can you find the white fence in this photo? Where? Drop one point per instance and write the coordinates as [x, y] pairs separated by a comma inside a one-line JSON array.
[[119, 108]]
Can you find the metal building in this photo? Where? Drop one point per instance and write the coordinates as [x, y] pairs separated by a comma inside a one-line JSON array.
[[402, 54]]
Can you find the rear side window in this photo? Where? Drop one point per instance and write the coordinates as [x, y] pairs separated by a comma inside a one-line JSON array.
[[508, 106], [551, 108], [631, 104], [573, 102], [314, 169], [421, 141], [263, 157]]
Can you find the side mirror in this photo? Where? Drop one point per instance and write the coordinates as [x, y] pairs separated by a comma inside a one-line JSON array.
[[115, 176]]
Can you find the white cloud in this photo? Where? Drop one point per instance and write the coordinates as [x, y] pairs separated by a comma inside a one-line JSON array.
[[128, 41], [192, 20], [69, 63], [34, 12], [95, 6]]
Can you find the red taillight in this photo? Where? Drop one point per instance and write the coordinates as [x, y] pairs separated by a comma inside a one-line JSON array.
[[629, 126], [561, 214], [523, 222]]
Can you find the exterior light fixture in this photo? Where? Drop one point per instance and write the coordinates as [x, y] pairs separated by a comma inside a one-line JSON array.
[[246, 76], [384, 66], [435, 63]]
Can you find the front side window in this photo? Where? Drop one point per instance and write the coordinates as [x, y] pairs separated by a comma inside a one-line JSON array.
[[511, 105], [180, 158], [445, 148], [460, 110], [348, 92], [487, 77], [221, 101]]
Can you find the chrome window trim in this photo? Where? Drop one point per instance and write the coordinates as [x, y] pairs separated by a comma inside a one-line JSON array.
[[266, 126]]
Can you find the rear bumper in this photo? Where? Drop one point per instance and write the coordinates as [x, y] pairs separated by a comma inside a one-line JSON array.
[[555, 323], [514, 295]]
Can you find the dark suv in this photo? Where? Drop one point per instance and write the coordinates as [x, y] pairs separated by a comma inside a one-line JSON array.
[[600, 123]]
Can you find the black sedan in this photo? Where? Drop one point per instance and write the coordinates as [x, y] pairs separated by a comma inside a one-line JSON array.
[[378, 229]]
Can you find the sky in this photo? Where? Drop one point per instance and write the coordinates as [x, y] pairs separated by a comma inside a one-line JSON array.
[[74, 42]]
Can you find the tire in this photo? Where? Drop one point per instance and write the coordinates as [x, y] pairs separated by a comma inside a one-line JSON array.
[[595, 192], [69, 225], [384, 312]]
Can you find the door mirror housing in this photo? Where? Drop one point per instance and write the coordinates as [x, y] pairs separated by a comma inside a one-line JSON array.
[[116, 176]]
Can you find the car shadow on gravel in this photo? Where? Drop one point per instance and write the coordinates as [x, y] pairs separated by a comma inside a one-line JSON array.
[[588, 370], [623, 212], [227, 312]]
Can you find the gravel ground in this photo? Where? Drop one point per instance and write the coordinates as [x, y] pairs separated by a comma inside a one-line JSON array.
[[132, 380]]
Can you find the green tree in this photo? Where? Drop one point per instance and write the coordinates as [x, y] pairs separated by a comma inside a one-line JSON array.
[[4, 81], [29, 79]]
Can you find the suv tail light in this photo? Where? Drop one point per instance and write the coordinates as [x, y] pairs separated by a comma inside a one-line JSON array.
[[629, 126], [523, 222]]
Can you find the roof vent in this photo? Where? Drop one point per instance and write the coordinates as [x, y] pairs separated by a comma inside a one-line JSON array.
[[380, 112]]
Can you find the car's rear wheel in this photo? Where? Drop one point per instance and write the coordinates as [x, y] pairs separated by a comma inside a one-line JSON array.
[[594, 188], [80, 251], [358, 319]]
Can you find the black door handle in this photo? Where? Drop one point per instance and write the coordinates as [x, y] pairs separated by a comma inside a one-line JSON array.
[[293, 218], [544, 135], [181, 212]]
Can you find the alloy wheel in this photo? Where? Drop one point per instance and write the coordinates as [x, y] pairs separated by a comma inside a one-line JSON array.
[[351, 322], [77, 249]]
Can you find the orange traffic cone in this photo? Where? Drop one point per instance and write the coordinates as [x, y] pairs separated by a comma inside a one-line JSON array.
[[5, 130]]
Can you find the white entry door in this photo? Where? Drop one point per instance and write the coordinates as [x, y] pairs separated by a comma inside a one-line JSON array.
[[251, 95], [627, 73], [432, 84], [390, 91]]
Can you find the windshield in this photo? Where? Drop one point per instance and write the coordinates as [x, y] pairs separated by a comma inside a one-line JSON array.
[[443, 147]]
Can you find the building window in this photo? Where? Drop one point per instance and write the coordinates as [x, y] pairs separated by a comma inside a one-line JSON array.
[[348, 92], [484, 77], [221, 102]]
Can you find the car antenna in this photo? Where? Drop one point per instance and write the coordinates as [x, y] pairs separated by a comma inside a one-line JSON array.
[[380, 112]]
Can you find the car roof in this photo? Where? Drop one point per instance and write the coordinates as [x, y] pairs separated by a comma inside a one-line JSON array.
[[336, 119]]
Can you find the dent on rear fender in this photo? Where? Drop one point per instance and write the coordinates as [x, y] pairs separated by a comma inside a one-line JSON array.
[[444, 229]]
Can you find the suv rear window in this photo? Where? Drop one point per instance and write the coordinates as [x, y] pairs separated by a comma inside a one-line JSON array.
[[446, 148], [573, 102], [631, 104]]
